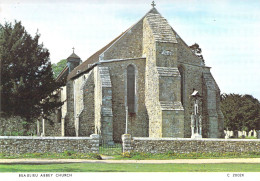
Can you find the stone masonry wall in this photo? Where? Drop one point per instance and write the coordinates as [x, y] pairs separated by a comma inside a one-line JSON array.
[[152, 82], [192, 80], [69, 121], [98, 100], [19, 145], [63, 98], [128, 46], [106, 108], [86, 121], [185, 54], [138, 122], [14, 126], [52, 128], [194, 69], [187, 145], [160, 48]]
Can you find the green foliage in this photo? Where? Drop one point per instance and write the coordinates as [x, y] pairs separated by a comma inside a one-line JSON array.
[[195, 48], [26, 75], [133, 167], [194, 155], [58, 67], [241, 112], [69, 152]]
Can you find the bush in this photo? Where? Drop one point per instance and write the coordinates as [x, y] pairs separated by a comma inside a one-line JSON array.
[[69, 152], [37, 154], [126, 155]]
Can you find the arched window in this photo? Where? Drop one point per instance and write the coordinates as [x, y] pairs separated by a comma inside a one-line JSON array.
[[181, 70], [131, 88]]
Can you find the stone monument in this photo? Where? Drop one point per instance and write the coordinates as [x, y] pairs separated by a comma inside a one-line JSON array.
[[196, 118]]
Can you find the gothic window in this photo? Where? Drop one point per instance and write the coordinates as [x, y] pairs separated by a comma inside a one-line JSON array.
[[131, 88], [181, 70]]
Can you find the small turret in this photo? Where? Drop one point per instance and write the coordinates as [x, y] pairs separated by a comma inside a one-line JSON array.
[[73, 61]]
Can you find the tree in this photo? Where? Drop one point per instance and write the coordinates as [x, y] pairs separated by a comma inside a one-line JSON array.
[[57, 68], [27, 84], [195, 48], [241, 112]]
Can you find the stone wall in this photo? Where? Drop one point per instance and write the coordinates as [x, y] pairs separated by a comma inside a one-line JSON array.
[[16, 126], [128, 46], [51, 128], [86, 121], [151, 82], [187, 145], [197, 76], [98, 100], [69, 121], [19, 145], [138, 122], [63, 95], [163, 88]]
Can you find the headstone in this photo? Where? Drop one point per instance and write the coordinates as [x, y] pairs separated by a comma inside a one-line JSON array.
[[258, 134]]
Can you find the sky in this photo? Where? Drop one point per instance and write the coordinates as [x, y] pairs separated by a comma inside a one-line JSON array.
[[226, 30]]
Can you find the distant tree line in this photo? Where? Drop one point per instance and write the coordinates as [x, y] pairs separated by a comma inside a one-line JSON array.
[[58, 67], [241, 112]]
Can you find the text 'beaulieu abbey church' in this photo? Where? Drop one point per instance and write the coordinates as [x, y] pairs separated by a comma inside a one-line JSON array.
[[145, 77]]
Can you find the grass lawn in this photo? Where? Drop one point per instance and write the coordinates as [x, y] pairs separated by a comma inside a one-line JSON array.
[[117, 155], [105, 167]]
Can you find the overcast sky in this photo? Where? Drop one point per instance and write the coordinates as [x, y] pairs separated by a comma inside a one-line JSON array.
[[226, 30]]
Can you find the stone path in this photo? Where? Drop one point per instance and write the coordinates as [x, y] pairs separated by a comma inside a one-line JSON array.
[[190, 161]]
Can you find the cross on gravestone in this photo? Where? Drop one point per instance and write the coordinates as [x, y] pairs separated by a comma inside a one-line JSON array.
[[153, 4]]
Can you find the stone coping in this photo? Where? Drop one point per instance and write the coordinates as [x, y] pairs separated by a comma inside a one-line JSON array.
[[44, 138], [192, 139], [123, 59]]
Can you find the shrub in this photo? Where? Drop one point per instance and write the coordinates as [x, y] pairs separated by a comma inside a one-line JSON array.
[[126, 155], [69, 152]]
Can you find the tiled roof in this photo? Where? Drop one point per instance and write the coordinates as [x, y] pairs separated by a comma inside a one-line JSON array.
[[161, 29], [63, 73]]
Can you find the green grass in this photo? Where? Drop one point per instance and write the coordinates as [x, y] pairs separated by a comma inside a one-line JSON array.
[[171, 155], [105, 167], [116, 149], [116, 153]]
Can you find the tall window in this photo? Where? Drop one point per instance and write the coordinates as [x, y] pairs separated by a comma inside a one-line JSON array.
[[181, 70], [131, 88]]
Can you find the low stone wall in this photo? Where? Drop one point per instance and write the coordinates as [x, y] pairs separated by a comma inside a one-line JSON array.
[[187, 145], [28, 144]]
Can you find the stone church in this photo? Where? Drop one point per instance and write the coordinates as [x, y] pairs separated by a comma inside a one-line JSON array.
[[141, 84]]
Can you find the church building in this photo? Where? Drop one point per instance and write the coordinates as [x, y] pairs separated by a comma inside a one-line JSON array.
[[141, 83]]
